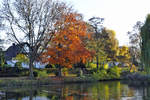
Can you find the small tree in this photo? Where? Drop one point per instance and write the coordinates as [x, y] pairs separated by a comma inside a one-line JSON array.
[[21, 58], [2, 58]]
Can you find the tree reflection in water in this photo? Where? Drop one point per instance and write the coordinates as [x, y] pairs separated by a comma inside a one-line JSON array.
[[92, 91]]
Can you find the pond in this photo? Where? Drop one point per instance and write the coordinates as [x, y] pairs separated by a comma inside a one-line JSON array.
[[86, 91]]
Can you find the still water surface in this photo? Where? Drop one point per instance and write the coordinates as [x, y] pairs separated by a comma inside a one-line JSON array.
[[92, 91]]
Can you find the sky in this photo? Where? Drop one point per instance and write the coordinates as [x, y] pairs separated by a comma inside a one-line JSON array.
[[119, 15]]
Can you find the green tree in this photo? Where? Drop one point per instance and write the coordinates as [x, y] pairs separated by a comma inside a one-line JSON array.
[[2, 53], [21, 58], [102, 41], [145, 48], [110, 44], [2, 58], [95, 43]]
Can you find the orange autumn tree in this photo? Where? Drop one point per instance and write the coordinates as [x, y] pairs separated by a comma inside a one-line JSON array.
[[67, 47]]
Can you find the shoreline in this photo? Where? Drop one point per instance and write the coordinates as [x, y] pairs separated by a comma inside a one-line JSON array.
[[25, 81], [44, 81]]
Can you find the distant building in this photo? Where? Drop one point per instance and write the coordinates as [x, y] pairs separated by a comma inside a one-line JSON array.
[[14, 50]]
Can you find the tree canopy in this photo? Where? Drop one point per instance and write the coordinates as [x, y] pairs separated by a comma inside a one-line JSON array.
[[67, 47]]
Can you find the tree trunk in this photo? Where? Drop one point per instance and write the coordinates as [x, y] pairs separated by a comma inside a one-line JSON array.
[[31, 68], [59, 72], [97, 62], [31, 95], [80, 71], [131, 67]]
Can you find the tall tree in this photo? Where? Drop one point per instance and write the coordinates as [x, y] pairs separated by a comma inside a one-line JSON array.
[[103, 41], [32, 21], [95, 26], [110, 44], [67, 47], [135, 41], [145, 48]]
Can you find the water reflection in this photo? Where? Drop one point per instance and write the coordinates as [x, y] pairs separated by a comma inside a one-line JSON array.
[[92, 91]]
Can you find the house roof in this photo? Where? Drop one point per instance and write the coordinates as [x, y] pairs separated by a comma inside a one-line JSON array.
[[13, 50]]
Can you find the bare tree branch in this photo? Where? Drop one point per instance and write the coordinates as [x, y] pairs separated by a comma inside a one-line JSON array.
[[32, 22]]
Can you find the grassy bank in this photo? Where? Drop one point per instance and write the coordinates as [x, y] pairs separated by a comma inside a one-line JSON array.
[[41, 81], [24, 81]]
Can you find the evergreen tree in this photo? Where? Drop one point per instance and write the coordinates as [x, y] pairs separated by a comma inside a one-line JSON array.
[[145, 50]]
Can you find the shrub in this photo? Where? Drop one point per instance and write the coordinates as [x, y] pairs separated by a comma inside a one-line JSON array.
[[100, 75], [48, 71], [35, 74], [6, 65], [40, 73], [114, 72], [125, 71], [110, 73], [65, 71], [92, 65], [24, 73], [133, 68], [57, 73], [106, 66], [18, 64], [49, 66]]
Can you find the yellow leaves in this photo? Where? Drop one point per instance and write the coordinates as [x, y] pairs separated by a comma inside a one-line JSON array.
[[123, 51], [106, 66], [21, 58], [124, 54], [133, 68], [71, 28]]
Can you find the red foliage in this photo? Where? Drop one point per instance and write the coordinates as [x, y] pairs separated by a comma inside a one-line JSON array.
[[67, 47]]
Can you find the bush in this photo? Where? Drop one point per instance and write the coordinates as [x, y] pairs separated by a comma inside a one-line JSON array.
[[18, 64], [125, 71], [100, 75], [49, 66], [65, 71], [35, 74], [114, 72], [48, 71], [110, 73], [57, 73], [92, 65], [6, 65], [106, 66], [40, 73]]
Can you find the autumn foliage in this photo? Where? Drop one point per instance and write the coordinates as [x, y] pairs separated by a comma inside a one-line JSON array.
[[67, 47]]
